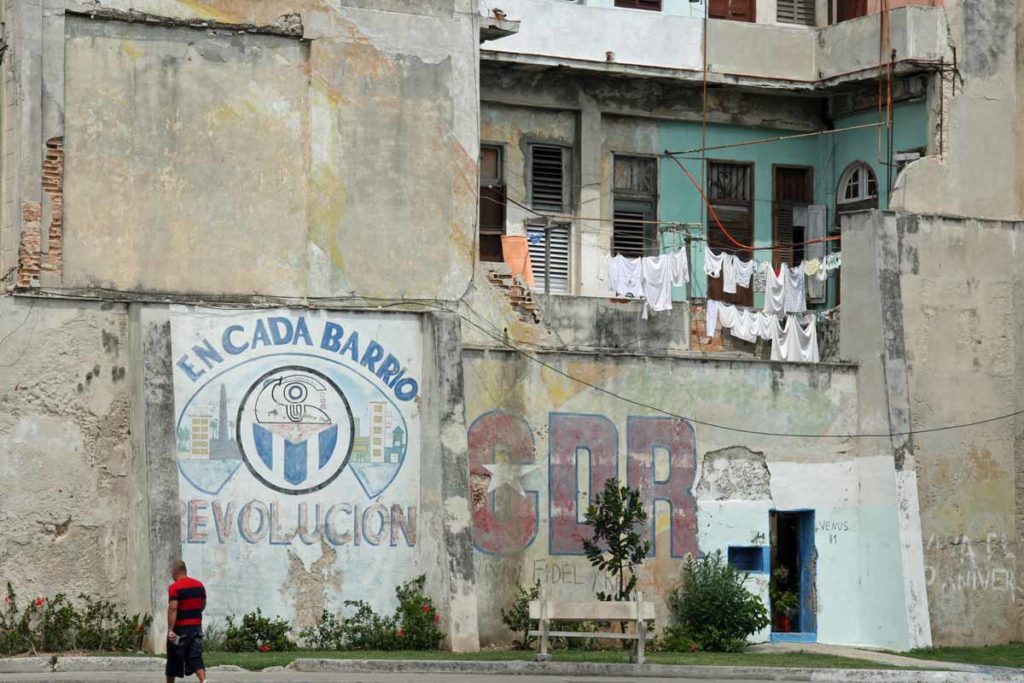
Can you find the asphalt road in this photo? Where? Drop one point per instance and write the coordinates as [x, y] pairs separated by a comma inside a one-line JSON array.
[[289, 677]]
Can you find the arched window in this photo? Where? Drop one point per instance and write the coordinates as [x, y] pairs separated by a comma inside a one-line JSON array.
[[858, 186]]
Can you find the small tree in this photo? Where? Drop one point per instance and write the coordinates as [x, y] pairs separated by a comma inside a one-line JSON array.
[[712, 608], [617, 547], [517, 617]]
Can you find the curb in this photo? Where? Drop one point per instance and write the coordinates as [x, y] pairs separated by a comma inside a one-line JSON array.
[[112, 664], [572, 669]]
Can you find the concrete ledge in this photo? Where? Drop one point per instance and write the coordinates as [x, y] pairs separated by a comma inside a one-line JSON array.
[[26, 665], [118, 664], [645, 671]]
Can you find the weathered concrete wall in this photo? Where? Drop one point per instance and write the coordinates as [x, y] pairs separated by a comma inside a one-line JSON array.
[[179, 143], [540, 443], [65, 456], [950, 292], [323, 131], [978, 174]]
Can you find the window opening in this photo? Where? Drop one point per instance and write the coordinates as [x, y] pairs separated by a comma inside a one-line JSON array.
[[635, 197], [731, 193], [492, 202]]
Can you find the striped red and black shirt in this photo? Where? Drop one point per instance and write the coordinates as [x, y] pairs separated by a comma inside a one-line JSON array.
[[191, 597]]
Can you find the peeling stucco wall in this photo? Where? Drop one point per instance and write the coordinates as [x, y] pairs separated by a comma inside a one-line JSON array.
[[540, 443], [64, 452], [961, 292], [334, 131], [978, 174]]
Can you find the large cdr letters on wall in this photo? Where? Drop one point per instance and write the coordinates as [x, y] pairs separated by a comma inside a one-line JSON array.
[[298, 456]]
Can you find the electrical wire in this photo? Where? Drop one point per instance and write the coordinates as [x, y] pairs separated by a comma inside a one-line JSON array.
[[441, 305], [728, 235], [764, 141]]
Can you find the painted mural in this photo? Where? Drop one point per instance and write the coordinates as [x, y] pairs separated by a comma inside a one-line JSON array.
[[298, 460], [531, 483]]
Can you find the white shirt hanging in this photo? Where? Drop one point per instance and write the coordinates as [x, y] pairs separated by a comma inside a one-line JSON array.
[[657, 283], [775, 291], [624, 276], [795, 342], [713, 262], [795, 299], [680, 268]]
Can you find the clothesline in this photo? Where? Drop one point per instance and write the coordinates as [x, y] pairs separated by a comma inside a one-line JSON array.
[[650, 278], [796, 341]]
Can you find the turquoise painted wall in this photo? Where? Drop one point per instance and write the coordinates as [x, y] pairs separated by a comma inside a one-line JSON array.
[[829, 155]]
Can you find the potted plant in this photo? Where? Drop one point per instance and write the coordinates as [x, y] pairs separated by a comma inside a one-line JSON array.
[[784, 601]]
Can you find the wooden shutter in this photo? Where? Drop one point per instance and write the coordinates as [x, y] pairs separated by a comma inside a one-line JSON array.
[[791, 187], [731, 192], [718, 9], [635, 189], [492, 203], [742, 10], [548, 186], [850, 9], [629, 233], [654, 5], [560, 264], [796, 12]]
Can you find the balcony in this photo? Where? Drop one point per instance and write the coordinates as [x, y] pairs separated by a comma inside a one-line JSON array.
[[658, 45]]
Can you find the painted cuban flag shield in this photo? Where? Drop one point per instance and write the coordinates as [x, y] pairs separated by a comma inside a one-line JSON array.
[[296, 430]]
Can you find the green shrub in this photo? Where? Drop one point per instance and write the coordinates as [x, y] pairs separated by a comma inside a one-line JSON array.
[[575, 643], [257, 633], [517, 617], [712, 608], [417, 617], [328, 633], [213, 637], [367, 630], [57, 625], [413, 626]]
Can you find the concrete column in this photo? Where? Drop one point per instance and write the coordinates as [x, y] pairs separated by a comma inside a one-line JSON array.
[[873, 335], [154, 539], [594, 242], [444, 486]]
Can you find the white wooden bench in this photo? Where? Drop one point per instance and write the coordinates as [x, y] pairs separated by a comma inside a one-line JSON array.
[[636, 611]]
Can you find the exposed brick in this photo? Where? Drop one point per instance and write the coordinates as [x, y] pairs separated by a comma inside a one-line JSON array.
[[53, 186], [31, 259], [699, 332], [30, 246]]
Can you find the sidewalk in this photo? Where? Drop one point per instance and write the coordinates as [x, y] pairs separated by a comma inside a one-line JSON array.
[[302, 670], [884, 658]]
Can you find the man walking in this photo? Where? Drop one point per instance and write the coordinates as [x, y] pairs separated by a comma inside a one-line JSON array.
[[185, 605]]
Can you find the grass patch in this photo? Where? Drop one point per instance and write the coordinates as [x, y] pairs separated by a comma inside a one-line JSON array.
[[1011, 655], [255, 661]]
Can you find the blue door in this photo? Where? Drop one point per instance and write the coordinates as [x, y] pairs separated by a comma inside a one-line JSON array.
[[794, 567]]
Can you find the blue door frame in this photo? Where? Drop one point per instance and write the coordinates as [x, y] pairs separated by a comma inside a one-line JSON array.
[[807, 570]]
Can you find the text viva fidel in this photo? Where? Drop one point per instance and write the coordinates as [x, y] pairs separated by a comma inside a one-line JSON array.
[[278, 331], [340, 524]]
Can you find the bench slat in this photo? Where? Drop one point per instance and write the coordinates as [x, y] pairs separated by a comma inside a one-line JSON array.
[[591, 611], [600, 634]]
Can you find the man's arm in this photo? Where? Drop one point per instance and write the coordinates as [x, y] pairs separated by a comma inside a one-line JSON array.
[[172, 616]]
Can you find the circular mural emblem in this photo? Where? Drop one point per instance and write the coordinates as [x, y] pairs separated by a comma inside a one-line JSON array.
[[295, 429]]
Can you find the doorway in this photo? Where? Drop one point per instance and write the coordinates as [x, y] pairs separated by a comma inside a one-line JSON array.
[[794, 565]]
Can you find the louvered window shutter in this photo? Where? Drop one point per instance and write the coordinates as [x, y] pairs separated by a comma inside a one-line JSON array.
[[796, 12], [559, 268], [783, 236], [548, 171]]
